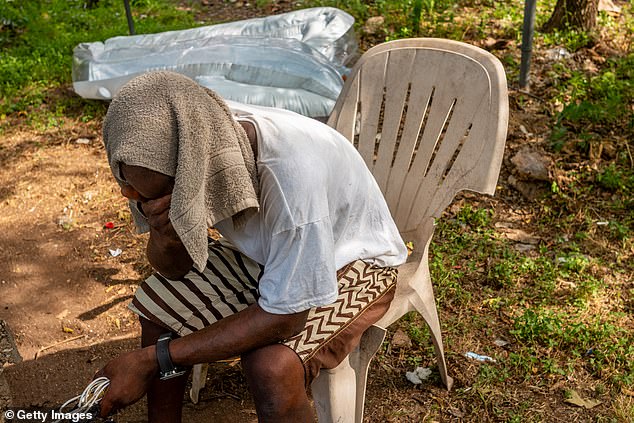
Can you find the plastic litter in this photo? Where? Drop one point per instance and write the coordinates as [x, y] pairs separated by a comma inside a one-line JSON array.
[[78, 408], [557, 53], [294, 60], [419, 375], [478, 357], [116, 253]]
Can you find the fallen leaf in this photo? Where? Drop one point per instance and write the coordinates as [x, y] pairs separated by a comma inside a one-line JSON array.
[[519, 235], [575, 399], [501, 342]]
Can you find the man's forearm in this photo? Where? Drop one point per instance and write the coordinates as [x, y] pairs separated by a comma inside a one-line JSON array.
[[241, 332]]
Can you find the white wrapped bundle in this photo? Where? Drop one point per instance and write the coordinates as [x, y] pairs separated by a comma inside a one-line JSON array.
[[295, 60]]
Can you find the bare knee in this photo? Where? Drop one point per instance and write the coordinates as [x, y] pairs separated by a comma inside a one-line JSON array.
[[276, 381], [274, 362]]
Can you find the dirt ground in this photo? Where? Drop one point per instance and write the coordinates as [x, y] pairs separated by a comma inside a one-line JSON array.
[[70, 262]]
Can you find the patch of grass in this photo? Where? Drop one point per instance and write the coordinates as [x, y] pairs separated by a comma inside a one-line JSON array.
[[593, 104], [476, 218], [599, 345], [37, 46], [614, 178], [570, 39]]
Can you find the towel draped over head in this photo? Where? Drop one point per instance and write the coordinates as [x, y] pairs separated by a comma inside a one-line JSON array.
[[166, 122]]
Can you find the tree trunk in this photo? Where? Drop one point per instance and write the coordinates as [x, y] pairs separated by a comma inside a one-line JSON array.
[[579, 14]]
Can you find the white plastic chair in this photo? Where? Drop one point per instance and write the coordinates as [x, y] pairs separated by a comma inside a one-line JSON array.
[[429, 117]]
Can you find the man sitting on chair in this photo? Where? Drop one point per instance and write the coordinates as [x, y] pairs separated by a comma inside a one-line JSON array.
[[304, 266]]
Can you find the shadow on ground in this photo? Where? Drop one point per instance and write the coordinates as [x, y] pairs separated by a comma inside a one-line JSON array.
[[62, 375]]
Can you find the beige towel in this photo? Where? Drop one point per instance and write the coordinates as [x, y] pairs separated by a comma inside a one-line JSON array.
[[166, 122]]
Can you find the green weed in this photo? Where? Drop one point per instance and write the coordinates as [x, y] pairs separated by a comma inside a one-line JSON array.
[[37, 49], [613, 178], [476, 218]]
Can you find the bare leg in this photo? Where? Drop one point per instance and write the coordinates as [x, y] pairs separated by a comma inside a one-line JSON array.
[[276, 381], [165, 397]]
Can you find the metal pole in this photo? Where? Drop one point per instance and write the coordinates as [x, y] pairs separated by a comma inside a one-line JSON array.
[[128, 14], [527, 42]]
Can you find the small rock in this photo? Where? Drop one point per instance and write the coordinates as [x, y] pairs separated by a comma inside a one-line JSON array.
[[373, 24], [531, 165], [501, 342], [529, 189], [524, 248], [82, 141], [401, 340]]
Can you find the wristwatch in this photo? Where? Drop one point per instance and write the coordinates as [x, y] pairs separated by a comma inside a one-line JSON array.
[[167, 370]]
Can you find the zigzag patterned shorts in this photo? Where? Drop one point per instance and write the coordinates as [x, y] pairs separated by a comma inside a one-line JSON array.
[[230, 284]]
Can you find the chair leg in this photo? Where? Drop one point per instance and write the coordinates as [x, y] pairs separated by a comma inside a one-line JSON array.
[[339, 393], [360, 359], [430, 315], [334, 394], [199, 379]]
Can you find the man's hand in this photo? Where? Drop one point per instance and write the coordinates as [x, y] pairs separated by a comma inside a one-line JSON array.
[[157, 213], [165, 251], [130, 375]]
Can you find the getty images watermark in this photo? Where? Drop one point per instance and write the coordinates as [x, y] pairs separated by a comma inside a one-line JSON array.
[[23, 415]]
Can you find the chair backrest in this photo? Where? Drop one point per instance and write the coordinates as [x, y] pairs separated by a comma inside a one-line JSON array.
[[429, 117]]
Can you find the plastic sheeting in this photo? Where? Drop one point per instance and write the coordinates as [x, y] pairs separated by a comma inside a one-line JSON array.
[[294, 60]]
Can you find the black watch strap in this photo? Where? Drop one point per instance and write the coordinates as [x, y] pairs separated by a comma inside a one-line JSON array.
[[167, 370]]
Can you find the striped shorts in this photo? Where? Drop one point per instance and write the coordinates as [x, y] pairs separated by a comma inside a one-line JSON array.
[[229, 284]]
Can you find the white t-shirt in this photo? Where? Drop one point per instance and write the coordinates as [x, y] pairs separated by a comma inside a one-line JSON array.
[[320, 209]]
